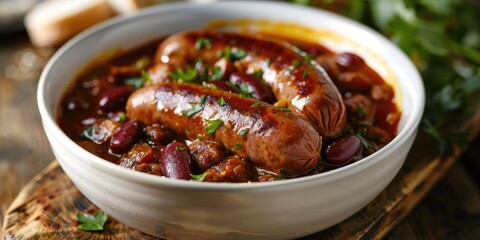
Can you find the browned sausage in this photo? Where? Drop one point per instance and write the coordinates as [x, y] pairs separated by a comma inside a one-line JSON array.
[[272, 138], [306, 86]]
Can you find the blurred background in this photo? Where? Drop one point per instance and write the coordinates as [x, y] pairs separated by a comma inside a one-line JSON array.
[[442, 37]]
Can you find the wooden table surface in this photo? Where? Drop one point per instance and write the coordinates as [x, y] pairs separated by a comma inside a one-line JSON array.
[[450, 211]]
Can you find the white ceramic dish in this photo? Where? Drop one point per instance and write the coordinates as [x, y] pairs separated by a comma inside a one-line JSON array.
[[193, 210]]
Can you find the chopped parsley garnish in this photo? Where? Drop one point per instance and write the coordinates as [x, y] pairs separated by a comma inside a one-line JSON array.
[[305, 74], [254, 105], [237, 146], [138, 82], [142, 62], [361, 113], [221, 101], [199, 177], [307, 57], [244, 91], [203, 43], [212, 125], [217, 73], [366, 144], [196, 107], [244, 132], [92, 223], [88, 132], [258, 74], [179, 148], [295, 63], [189, 75], [233, 54], [268, 61], [119, 117], [283, 109]]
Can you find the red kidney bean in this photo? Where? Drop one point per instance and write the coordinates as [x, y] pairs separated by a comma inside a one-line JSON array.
[[254, 86], [114, 98], [344, 150], [349, 62], [354, 81], [382, 92], [329, 65], [126, 137], [175, 161]]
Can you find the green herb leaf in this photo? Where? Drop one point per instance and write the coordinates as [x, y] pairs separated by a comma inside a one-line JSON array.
[[258, 74], [233, 54], [179, 148], [221, 101], [142, 62], [237, 146], [217, 73], [244, 90], [254, 105], [196, 107], [295, 63], [203, 43], [284, 109], [92, 223], [199, 177], [366, 144], [138, 82], [305, 74], [244, 132], [189, 75], [212, 125], [361, 113]]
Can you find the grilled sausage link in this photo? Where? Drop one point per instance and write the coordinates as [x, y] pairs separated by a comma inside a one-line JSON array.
[[303, 83], [275, 140]]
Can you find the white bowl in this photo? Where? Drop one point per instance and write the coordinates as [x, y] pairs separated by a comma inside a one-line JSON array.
[[273, 210]]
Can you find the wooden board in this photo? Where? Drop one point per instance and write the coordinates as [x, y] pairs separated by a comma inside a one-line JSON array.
[[46, 208]]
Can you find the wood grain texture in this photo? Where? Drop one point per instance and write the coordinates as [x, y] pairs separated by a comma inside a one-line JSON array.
[[46, 209], [439, 217]]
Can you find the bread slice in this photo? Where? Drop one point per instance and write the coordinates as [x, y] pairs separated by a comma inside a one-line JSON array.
[[51, 23]]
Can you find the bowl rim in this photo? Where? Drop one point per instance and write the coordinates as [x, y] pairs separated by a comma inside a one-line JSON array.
[[147, 179]]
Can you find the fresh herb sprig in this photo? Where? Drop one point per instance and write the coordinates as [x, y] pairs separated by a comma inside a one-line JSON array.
[[92, 222], [443, 40]]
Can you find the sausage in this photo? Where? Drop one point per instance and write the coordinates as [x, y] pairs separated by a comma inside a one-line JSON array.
[[304, 83], [272, 138]]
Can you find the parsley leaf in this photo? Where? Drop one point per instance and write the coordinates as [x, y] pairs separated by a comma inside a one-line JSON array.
[[254, 105], [244, 132], [233, 54], [189, 75], [92, 223], [237, 146], [203, 43], [217, 73], [212, 125], [196, 107], [199, 177], [284, 109], [138, 82], [221, 101]]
